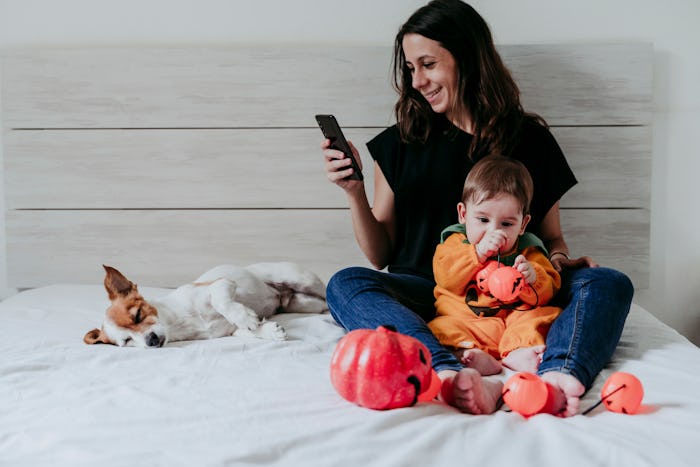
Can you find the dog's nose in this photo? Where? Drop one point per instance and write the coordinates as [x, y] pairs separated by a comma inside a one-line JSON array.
[[153, 340]]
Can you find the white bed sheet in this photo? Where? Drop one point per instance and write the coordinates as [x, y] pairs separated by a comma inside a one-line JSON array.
[[242, 401]]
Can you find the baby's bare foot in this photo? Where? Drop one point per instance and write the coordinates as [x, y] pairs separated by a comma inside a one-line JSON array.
[[469, 392], [524, 359], [481, 361], [568, 392]]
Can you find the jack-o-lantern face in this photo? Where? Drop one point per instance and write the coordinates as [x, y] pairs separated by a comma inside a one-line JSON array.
[[482, 277], [380, 369], [506, 283]]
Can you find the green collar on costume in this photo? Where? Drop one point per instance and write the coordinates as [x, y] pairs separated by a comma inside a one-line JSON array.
[[524, 241]]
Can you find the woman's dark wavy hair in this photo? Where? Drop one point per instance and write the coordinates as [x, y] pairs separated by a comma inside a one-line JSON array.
[[486, 89]]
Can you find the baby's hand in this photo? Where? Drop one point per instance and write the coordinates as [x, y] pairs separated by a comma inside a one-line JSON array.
[[490, 244], [526, 269]]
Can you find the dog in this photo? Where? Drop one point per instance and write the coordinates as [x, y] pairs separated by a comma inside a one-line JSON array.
[[226, 300]]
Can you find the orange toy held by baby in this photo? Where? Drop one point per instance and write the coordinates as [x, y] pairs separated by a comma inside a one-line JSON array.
[[505, 283]]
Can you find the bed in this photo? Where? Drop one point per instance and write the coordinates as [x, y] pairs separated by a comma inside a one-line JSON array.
[[164, 162]]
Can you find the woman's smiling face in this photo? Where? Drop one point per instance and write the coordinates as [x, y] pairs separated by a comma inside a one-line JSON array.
[[433, 72]]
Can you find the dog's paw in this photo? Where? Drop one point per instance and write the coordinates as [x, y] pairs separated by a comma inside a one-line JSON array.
[[271, 330], [251, 320], [244, 318]]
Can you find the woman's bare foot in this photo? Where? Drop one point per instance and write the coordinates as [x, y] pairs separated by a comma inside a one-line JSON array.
[[569, 391], [481, 361], [524, 359], [469, 392]]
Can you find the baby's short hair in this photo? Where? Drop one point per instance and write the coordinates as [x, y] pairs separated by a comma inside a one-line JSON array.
[[496, 175]]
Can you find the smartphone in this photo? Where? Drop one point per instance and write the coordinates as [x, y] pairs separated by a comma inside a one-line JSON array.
[[331, 130]]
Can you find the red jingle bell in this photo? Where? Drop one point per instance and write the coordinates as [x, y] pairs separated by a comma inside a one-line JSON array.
[[527, 394], [506, 283], [382, 369], [622, 393]]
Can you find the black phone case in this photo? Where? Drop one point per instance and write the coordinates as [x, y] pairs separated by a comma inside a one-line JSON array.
[[331, 130]]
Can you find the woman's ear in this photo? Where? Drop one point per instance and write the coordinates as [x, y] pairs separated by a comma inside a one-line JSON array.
[[461, 212], [526, 220]]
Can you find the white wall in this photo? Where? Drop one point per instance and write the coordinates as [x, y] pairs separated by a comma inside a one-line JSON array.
[[671, 26]]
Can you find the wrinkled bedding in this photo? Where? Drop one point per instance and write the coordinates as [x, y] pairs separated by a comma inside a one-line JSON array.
[[243, 401]]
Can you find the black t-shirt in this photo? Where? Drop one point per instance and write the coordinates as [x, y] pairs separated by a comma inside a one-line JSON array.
[[427, 181]]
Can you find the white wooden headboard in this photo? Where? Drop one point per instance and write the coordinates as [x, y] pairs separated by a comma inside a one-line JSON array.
[[166, 161]]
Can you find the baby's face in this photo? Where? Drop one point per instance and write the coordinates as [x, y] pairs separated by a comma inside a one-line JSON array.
[[503, 213]]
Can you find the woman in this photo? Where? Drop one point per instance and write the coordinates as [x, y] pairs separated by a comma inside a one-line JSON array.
[[457, 104]]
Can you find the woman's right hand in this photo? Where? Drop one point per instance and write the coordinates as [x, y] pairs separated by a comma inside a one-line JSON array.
[[373, 225], [339, 168]]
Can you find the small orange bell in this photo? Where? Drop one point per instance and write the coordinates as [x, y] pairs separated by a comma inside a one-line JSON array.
[[528, 394], [622, 393]]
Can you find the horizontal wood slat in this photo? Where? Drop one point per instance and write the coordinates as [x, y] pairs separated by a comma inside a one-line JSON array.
[[167, 248], [285, 86], [264, 168], [592, 84], [612, 166], [196, 87], [280, 168], [614, 238]]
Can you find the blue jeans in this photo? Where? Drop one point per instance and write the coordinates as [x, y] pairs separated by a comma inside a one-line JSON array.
[[580, 341]]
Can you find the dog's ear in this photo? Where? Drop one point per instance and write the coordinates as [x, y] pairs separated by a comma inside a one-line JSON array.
[[117, 284], [96, 336]]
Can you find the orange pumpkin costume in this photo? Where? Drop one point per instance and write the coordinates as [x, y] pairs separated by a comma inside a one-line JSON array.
[[470, 318]]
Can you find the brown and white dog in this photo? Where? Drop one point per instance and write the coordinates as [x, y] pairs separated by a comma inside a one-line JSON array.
[[223, 301]]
